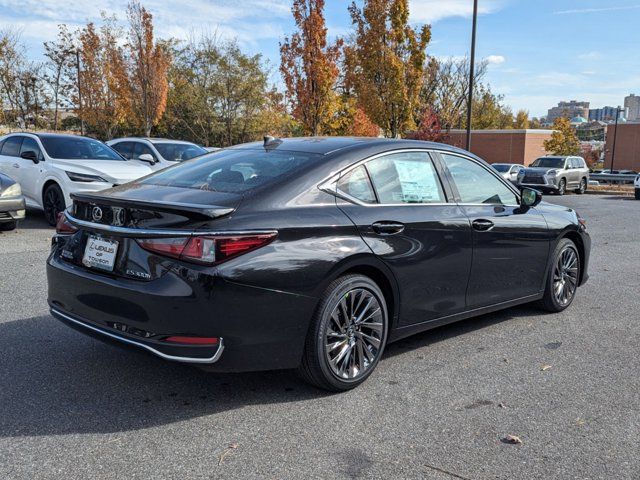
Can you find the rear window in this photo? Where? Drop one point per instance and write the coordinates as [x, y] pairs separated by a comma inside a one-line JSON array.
[[501, 167], [234, 171]]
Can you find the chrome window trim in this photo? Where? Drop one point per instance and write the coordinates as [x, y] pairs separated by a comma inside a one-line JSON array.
[[330, 183], [207, 360], [159, 233]]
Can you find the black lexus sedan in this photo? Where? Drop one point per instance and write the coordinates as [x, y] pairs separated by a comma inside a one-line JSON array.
[[308, 253], [12, 204]]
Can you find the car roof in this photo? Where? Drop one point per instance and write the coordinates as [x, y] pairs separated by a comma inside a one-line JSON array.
[[50, 135], [152, 140], [329, 145]]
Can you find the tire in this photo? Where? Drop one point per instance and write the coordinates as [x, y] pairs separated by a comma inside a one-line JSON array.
[[562, 187], [53, 203], [637, 194], [357, 346], [565, 253], [583, 187], [7, 226]]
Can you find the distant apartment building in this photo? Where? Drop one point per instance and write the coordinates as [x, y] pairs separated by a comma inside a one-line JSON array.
[[569, 109], [632, 104], [606, 114]]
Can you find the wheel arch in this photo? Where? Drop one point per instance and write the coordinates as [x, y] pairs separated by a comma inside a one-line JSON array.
[[372, 267], [577, 240]]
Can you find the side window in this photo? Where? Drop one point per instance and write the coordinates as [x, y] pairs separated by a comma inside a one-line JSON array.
[[140, 149], [30, 145], [408, 177], [357, 185], [476, 185], [11, 146], [124, 149], [1, 143]]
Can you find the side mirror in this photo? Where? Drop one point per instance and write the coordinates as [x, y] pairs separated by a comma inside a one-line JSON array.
[[30, 155], [147, 157], [530, 197]]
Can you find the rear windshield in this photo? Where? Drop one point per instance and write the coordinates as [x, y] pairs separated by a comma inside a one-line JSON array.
[[501, 168], [234, 171], [548, 162], [78, 149], [178, 152]]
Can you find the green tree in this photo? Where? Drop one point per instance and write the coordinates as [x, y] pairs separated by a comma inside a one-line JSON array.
[[522, 120], [564, 140], [386, 62]]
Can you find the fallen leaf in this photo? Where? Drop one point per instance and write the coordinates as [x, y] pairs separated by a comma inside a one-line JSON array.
[[580, 422], [512, 439], [502, 405], [232, 446], [544, 368]]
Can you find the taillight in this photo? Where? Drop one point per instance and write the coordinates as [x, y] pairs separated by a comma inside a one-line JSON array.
[[63, 227], [192, 340], [206, 250]]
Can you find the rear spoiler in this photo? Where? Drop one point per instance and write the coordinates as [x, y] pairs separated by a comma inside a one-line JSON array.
[[192, 210]]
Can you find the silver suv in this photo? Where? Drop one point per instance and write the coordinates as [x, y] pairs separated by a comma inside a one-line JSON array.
[[556, 174]]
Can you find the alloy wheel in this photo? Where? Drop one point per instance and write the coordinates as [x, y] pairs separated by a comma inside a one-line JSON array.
[[583, 185], [565, 276], [354, 334], [562, 186], [53, 204]]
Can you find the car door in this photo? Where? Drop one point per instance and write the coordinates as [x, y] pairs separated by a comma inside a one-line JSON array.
[[124, 148], [30, 171], [398, 203], [510, 243], [10, 156]]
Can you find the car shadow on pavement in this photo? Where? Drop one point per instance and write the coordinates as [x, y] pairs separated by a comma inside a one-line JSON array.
[[35, 220], [56, 381]]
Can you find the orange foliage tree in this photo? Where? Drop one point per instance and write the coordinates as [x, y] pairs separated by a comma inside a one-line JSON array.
[[309, 67], [145, 71], [386, 62], [98, 100]]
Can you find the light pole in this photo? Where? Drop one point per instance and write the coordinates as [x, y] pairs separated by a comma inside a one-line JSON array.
[[615, 135], [471, 73]]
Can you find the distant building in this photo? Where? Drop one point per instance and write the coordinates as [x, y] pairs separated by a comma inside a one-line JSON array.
[[632, 104], [568, 110], [606, 114], [503, 146], [592, 131]]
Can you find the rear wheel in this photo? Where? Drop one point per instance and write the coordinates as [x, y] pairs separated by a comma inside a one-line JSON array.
[[53, 203], [562, 187], [347, 335], [637, 193], [6, 226], [563, 277], [582, 187]]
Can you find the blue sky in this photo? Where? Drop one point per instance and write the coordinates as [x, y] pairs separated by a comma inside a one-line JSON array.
[[541, 51]]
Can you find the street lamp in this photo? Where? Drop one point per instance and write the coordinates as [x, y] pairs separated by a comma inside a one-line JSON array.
[[471, 65], [615, 135]]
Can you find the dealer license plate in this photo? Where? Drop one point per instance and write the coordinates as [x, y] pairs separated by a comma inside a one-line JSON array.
[[100, 253]]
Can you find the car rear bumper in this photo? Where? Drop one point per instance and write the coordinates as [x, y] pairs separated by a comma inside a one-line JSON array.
[[12, 209], [262, 329]]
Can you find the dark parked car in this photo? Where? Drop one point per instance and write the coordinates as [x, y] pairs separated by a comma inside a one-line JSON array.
[[311, 253], [12, 206]]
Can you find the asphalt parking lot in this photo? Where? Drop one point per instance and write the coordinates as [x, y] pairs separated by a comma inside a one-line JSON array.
[[437, 407]]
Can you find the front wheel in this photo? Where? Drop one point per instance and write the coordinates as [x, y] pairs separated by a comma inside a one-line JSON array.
[[347, 334], [53, 203], [637, 193], [563, 277], [8, 226], [562, 187]]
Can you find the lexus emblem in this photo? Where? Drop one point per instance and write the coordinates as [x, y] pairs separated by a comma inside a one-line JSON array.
[[96, 214], [118, 216]]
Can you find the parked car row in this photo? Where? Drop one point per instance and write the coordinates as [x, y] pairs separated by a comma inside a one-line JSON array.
[[550, 174], [50, 167]]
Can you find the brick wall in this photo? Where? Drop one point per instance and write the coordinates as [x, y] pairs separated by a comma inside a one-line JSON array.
[[504, 146], [627, 147]]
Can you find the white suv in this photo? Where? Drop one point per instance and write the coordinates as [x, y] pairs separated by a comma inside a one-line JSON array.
[[158, 153], [50, 167]]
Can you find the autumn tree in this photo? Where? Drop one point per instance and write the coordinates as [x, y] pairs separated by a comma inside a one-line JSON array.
[[309, 67], [564, 140], [143, 72], [60, 67], [429, 128], [489, 112], [522, 120], [99, 101], [387, 62]]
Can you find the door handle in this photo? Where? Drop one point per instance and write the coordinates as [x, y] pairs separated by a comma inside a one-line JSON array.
[[482, 225], [387, 228], [15, 165]]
